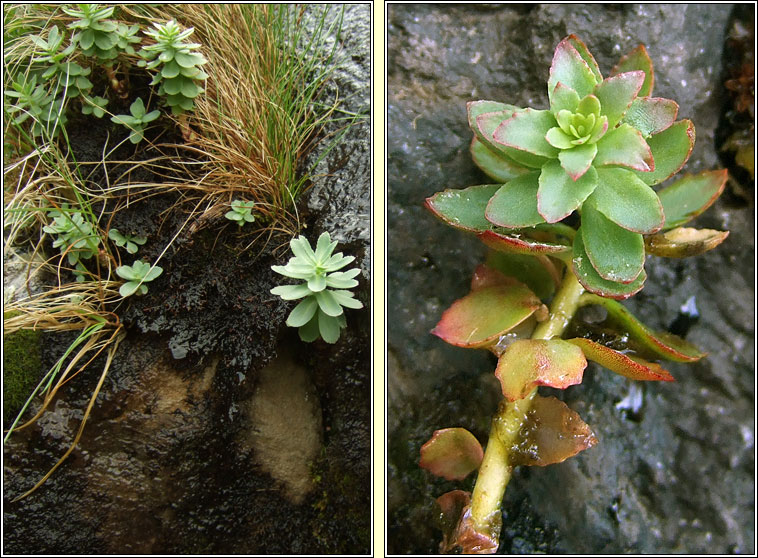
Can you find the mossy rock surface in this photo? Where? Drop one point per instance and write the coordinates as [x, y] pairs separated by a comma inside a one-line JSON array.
[[21, 369]]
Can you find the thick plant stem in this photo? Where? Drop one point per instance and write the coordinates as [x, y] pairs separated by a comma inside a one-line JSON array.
[[495, 470]]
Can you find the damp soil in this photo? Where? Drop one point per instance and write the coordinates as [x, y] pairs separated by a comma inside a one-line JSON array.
[[172, 458]]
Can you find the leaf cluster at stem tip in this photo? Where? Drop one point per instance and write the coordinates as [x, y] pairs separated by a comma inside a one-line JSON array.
[[324, 292]]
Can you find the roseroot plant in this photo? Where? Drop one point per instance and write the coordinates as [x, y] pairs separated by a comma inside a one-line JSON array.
[[241, 212], [137, 121], [136, 276], [321, 312], [33, 100], [130, 242], [178, 64], [76, 237], [570, 220], [103, 39]]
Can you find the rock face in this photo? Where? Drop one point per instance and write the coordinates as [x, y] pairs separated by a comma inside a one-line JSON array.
[[676, 476], [184, 452]]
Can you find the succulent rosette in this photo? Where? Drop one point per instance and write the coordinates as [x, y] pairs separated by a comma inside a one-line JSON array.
[[597, 151]]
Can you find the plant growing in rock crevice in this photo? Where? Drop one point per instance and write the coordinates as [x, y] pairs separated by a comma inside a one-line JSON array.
[[591, 159], [320, 313]]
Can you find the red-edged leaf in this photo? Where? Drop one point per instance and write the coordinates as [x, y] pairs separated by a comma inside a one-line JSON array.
[[689, 196], [485, 276], [559, 194], [624, 146], [529, 363], [570, 68], [452, 506], [584, 52], [494, 164], [551, 434], [519, 244], [617, 93], [670, 148], [451, 453], [482, 316], [638, 59], [563, 98], [651, 115], [514, 205], [526, 131], [684, 242], [616, 253], [627, 201], [484, 122], [538, 273], [629, 367], [463, 209], [591, 280], [661, 343]]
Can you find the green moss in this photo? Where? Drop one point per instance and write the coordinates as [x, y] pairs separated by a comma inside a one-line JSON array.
[[21, 368]]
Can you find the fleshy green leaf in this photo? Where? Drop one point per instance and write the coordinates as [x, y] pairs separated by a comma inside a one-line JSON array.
[[519, 244], [484, 128], [559, 139], [317, 283], [451, 453], [684, 242], [689, 196], [651, 115], [528, 363], [627, 201], [170, 70], [637, 59], [494, 164], [328, 327], [559, 194], [128, 289], [464, 209], [571, 69], [291, 292], [616, 254], [324, 247], [577, 161], [563, 98], [616, 94], [539, 274], [662, 343], [482, 316], [303, 312], [624, 146], [525, 131], [328, 303], [302, 250], [670, 148], [590, 279], [345, 298], [551, 434], [485, 276], [615, 361], [584, 52], [309, 332], [514, 205]]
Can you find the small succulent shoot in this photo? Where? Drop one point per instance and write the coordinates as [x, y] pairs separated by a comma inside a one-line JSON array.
[[320, 313], [597, 152], [102, 38], [136, 276], [33, 101], [71, 77], [178, 64], [75, 236], [137, 121], [130, 242], [241, 212]]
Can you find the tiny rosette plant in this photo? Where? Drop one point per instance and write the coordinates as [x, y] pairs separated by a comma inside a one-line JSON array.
[[128, 241], [98, 36], [178, 65], [136, 276], [241, 212], [596, 152], [137, 121], [324, 291]]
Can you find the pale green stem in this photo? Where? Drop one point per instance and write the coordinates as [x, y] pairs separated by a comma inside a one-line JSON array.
[[495, 470]]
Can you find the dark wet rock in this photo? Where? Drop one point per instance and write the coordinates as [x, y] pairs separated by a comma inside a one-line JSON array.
[[166, 463], [675, 474]]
